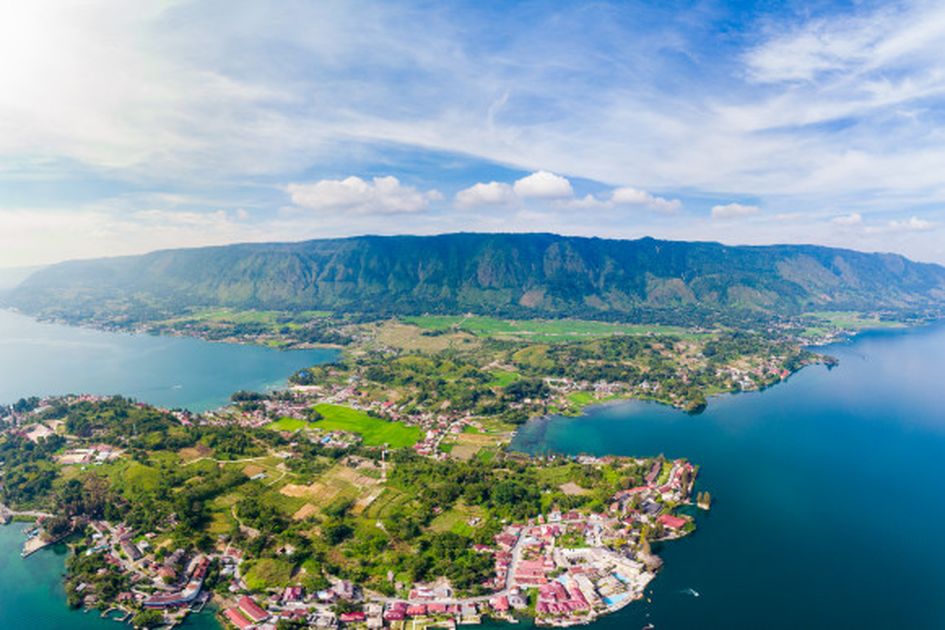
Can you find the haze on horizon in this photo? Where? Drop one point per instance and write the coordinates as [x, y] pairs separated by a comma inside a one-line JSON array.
[[127, 127]]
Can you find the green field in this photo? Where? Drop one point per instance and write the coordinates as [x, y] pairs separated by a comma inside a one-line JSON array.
[[537, 330], [376, 432], [288, 424], [852, 320], [581, 399], [269, 318], [269, 573], [387, 503], [503, 378]]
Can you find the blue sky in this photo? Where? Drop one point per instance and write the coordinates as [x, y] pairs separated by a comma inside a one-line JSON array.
[[127, 127]]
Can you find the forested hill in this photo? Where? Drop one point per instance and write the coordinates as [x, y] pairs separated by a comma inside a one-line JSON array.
[[516, 275]]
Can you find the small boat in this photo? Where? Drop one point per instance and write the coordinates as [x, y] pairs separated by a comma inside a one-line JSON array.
[[691, 591]]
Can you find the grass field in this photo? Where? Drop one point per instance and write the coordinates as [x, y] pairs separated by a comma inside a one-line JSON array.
[[854, 321], [536, 330], [407, 337], [376, 432], [503, 378], [269, 573], [385, 504], [456, 520], [581, 399], [288, 424], [268, 318]]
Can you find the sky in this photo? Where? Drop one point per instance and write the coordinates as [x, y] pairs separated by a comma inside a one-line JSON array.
[[132, 126]]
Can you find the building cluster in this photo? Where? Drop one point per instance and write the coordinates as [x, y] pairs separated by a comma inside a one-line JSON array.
[[95, 454]]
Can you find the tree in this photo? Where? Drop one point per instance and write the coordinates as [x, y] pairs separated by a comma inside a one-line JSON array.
[[148, 618]]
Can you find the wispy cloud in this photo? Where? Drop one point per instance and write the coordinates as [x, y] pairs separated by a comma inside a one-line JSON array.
[[803, 113], [734, 211]]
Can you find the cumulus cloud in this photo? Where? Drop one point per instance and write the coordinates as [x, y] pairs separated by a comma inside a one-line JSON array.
[[854, 218], [480, 194], [636, 197], [543, 185], [381, 195], [734, 211], [546, 186]]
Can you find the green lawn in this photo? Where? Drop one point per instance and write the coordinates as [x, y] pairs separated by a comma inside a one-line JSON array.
[[456, 520], [581, 399], [503, 378], [537, 329], [853, 320], [269, 573], [287, 424], [374, 431]]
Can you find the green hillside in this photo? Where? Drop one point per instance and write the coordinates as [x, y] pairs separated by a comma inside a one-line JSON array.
[[508, 275]]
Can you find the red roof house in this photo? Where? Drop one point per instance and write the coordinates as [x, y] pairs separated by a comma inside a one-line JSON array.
[[251, 609], [673, 522]]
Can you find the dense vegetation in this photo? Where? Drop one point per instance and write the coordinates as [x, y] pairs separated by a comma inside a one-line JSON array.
[[523, 275], [421, 524]]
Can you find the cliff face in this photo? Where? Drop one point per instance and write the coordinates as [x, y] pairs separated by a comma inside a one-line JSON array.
[[513, 274]]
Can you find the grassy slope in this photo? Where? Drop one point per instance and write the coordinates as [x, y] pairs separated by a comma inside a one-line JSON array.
[[374, 431]]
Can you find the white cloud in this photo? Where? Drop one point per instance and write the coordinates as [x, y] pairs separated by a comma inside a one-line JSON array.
[[543, 185], [913, 224], [32, 237], [480, 194], [734, 211], [636, 197], [854, 218], [381, 195]]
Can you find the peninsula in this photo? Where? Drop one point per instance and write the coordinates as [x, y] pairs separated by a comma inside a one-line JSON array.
[[379, 488]]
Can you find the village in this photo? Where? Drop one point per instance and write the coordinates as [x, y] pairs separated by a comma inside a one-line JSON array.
[[563, 568]]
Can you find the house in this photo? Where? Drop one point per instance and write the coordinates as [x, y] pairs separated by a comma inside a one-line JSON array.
[[132, 551], [292, 594], [416, 610], [352, 617], [237, 619], [500, 604], [251, 609], [672, 522]]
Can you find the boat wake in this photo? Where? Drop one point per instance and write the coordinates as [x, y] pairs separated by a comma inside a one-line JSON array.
[[691, 591]]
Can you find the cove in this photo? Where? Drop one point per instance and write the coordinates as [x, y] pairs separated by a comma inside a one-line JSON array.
[[828, 493], [38, 358], [32, 594]]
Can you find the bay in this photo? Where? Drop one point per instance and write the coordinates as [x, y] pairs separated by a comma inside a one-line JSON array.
[[42, 358], [828, 493], [38, 358], [32, 593]]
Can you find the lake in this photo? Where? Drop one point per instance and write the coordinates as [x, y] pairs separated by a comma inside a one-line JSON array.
[[828, 493], [41, 358]]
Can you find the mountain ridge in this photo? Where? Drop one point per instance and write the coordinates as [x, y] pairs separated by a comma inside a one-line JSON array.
[[511, 274]]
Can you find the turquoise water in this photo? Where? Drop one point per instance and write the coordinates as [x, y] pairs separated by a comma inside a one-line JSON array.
[[32, 595], [828, 494], [38, 358]]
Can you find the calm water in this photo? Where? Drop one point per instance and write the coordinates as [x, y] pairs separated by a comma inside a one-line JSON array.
[[829, 494], [38, 358], [32, 594]]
